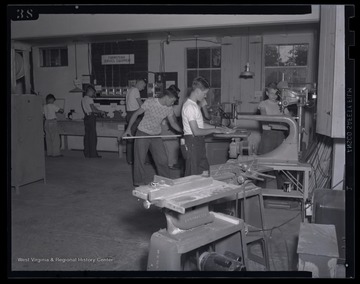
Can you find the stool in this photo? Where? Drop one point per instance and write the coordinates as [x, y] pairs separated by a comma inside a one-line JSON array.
[[253, 215]]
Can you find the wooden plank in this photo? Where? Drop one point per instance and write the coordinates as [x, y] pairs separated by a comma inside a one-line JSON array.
[[338, 103], [326, 69], [166, 191]]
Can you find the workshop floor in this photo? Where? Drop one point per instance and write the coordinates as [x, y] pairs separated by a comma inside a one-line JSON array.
[[86, 211]]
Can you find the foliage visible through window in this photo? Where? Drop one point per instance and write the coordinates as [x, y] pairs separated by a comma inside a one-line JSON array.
[[290, 60], [205, 62], [53, 57]]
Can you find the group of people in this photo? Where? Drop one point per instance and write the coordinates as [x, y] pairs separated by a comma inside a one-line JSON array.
[[145, 119], [153, 111], [52, 136]]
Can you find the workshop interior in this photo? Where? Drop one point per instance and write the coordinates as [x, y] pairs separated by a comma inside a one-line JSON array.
[[271, 196]]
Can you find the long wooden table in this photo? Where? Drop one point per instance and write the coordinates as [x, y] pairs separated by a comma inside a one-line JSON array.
[[104, 128]]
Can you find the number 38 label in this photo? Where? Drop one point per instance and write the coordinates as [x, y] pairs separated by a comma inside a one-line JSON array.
[[23, 14]]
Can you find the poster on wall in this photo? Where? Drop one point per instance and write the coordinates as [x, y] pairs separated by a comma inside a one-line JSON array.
[[116, 59]]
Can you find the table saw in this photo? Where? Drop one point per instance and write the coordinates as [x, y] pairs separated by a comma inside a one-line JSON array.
[[195, 237]]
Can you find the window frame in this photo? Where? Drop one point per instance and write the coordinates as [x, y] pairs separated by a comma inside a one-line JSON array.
[[198, 69], [48, 56], [292, 39]]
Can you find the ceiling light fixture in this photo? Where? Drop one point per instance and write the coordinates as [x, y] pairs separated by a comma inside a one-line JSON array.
[[247, 74], [76, 81]]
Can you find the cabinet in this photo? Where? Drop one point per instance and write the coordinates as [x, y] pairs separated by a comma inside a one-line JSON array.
[[27, 140]]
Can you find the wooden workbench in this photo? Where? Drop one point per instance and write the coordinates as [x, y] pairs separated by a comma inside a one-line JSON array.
[[104, 128]]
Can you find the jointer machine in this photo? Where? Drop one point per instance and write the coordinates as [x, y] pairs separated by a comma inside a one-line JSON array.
[[196, 238]]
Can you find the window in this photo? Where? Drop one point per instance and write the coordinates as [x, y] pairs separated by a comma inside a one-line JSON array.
[[288, 59], [53, 57], [205, 62]]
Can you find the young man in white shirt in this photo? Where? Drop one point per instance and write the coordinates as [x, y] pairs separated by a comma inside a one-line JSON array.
[[155, 110], [51, 128], [195, 130], [133, 103], [90, 111]]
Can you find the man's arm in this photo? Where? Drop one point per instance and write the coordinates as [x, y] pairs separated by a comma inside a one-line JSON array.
[[95, 109], [132, 121], [139, 101], [208, 126], [174, 124], [203, 132], [204, 109], [206, 113]]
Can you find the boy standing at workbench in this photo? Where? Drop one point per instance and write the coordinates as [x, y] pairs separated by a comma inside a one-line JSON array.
[[195, 130], [90, 112], [51, 128], [155, 110]]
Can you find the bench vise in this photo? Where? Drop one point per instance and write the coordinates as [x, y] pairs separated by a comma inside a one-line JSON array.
[[195, 238]]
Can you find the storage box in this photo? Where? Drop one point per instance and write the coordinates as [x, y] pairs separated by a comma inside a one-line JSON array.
[[318, 250], [329, 208]]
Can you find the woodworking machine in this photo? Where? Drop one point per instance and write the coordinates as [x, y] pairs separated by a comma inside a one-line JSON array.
[[288, 151], [196, 239]]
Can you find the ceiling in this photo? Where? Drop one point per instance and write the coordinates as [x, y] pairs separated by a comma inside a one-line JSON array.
[[173, 34]]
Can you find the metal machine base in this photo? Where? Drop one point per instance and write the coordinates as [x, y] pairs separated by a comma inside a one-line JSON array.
[[182, 251]]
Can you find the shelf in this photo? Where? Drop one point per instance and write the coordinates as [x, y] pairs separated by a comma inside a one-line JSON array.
[[281, 193]]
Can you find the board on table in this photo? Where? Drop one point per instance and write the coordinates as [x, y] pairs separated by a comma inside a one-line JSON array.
[[186, 192]]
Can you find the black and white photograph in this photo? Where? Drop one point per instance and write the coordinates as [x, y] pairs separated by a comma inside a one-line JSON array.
[[195, 140]]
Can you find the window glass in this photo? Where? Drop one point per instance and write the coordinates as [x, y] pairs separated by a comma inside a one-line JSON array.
[[53, 57], [216, 57], [191, 58], [204, 58], [288, 59], [205, 62], [191, 75]]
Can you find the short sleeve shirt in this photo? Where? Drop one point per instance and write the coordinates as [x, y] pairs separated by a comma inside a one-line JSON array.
[[85, 103], [131, 102], [50, 111], [191, 111], [154, 114]]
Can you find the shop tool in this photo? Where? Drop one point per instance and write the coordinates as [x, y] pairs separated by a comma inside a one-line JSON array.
[[195, 238]]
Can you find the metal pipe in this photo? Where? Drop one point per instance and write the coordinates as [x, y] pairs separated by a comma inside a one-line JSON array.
[[153, 136]]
